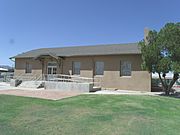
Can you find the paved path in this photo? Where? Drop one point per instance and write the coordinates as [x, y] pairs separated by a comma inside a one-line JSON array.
[[44, 94], [56, 95], [125, 92], [6, 89], [5, 86]]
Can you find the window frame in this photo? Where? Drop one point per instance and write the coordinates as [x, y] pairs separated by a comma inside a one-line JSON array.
[[28, 68], [99, 74], [122, 74], [74, 68], [52, 65]]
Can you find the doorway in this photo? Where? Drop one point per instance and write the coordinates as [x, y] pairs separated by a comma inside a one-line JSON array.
[[52, 68]]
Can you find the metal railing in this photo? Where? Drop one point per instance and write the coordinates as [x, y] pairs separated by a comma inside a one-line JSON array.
[[28, 77], [72, 78], [6, 77], [59, 78]]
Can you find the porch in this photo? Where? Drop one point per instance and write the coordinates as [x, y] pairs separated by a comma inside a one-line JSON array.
[[59, 82]]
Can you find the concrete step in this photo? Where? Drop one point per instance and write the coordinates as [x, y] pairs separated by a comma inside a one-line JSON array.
[[31, 84]]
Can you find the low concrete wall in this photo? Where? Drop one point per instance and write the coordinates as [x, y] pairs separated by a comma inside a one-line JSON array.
[[15, 82], [69, 86]]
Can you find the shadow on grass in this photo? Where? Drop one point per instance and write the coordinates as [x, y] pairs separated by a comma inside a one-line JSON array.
[[173, 95], [173, 92]]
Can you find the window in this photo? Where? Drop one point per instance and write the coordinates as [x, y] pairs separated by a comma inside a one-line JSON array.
[[28, 68], [125, 68], [76, 68], [99, 68], [52, 64]]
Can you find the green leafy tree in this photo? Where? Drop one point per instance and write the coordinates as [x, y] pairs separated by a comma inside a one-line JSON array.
[[161, 53]]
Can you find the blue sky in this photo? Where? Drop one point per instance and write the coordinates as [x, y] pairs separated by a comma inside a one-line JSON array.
[[31, 24]]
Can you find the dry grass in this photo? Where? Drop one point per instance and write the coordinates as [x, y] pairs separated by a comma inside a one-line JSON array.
[[90, 115]]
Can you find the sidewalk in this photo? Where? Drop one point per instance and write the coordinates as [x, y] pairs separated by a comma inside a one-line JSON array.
[[125, 92]]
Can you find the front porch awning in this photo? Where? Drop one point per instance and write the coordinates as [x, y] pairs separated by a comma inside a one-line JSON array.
[[47, 54]]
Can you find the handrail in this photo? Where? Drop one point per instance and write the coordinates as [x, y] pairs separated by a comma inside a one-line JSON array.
[[26, 77], [59, 78], [71, 78]]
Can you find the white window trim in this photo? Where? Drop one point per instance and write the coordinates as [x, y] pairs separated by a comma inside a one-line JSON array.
[[126, 76]]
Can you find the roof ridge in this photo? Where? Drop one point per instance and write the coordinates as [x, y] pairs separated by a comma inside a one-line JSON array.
[[103, 49], [74, 46]]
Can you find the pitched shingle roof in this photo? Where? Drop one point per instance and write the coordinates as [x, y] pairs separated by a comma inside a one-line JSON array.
[[111, 49]]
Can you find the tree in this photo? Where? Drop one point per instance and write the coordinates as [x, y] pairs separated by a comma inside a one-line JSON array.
[[161, 53]]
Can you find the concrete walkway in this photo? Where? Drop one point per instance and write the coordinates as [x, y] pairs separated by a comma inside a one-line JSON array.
[[125, 92], [44, 94], [56, 95], [5, 86], [6, 89]]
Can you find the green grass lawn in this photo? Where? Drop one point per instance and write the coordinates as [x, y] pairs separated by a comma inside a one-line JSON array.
[[90, 115]]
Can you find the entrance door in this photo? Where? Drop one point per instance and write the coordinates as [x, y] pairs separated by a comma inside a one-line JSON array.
[[52, 68]]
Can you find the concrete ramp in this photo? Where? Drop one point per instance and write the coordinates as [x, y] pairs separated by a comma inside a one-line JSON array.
[[31, 84], [69, 86]]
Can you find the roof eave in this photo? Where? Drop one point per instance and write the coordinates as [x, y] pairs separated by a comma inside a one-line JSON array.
[[138, 53]]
